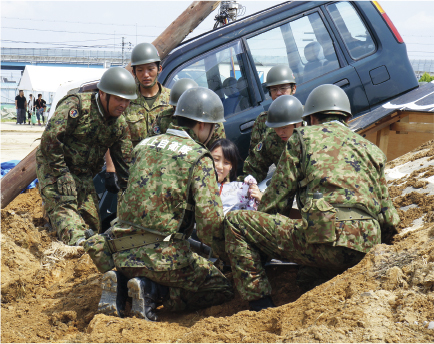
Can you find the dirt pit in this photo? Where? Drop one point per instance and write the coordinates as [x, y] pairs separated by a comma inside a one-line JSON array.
[[52, 296]]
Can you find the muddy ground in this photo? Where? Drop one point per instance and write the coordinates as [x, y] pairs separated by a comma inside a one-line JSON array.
[[387, 297]]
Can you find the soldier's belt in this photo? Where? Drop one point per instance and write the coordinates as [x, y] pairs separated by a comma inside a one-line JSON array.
[[134, 241], [345, 213], [139, 240]]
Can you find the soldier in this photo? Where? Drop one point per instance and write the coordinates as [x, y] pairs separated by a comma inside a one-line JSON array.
[[172, 185], [152, 97], [72, 148], [338, 179], [163, 120], [267, 143]]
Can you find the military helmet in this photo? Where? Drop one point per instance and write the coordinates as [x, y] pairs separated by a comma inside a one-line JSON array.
[[283, 111], [179, 88], [279, 75], [119, 82], [144, 53], [327, 98], [200, 104]]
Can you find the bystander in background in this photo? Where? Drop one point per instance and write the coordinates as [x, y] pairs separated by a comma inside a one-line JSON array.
[[21, 105], [40, 114], [39, 104], [30, 105]]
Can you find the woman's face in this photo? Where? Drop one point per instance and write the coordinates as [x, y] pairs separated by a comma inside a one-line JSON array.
[[222, 165]]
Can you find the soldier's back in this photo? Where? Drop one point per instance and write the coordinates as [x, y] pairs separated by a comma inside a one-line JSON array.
[[158, 189]]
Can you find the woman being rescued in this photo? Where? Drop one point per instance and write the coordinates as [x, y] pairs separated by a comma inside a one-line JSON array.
[[235, 195]]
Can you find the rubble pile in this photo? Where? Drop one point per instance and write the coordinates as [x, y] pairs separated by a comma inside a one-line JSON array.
[[51, 294]]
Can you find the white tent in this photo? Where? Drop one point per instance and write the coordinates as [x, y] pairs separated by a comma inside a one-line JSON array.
[[69, 87], [48, 79]]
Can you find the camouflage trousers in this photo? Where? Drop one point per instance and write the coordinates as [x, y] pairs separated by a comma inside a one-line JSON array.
[[70, 216], [195, 286], [250, 234]]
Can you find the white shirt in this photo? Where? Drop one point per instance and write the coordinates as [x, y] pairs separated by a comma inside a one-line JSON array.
[[235, 196]]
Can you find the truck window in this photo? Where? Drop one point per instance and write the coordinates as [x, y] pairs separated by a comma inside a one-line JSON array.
[[353, 31], [222, 71], [303, 44]]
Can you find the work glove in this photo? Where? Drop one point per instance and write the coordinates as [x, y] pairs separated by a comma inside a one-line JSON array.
[[87, 234], [66, 185], [80, 242], [111, 182]]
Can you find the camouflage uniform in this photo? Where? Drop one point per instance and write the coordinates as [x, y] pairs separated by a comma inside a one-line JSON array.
[[265, 149], [140, 118], [74, 142], [164, 119], [348, 170], [173, 184]]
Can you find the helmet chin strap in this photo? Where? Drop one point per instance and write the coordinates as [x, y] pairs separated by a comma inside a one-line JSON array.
[[108, 100], [211, 131]]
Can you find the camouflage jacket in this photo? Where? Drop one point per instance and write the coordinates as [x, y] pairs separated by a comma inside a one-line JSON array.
[[140, 117], [172, 184], [77, 137], [165, 118], [348, 170], [265, 149]]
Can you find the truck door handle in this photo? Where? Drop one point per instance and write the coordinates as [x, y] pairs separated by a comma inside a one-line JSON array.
[[246, 125], [342, 83]]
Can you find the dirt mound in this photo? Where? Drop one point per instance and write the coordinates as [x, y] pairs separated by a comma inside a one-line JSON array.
[[52, 295]]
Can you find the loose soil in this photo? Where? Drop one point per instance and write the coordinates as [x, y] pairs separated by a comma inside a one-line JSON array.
[[51, 294]]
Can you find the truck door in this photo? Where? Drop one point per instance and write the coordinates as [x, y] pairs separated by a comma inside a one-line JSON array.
[[370, 46], [306, 44]]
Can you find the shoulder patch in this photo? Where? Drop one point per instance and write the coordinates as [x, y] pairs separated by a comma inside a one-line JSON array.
[[157, 130], [259, 146], [73, 113]]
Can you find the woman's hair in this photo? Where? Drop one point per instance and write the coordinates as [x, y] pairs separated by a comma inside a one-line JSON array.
[[231, 153]]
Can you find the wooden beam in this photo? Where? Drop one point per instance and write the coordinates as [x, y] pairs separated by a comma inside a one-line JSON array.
[[383, 139], [402, 120], [18, 178], [380, 125], [413, 127]]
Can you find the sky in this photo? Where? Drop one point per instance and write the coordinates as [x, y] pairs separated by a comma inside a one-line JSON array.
[[102, 24]]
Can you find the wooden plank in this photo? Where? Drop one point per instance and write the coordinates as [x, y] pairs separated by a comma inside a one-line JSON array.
[[383, 139], [413, 127], [402, 120], [380, 125], [18, 178]]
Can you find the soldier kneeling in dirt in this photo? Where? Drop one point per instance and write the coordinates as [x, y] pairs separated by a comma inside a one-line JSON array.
[[339, 183], [72, 150], [172, 185]]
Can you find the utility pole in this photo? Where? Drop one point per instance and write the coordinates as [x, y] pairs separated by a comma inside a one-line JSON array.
[[123, 50]]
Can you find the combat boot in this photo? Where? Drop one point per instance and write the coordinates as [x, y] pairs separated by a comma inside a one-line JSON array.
[[114, 294], [146, 296], [264, 303]]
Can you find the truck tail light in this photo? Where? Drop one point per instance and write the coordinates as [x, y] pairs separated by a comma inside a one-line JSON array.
[[388, 22]]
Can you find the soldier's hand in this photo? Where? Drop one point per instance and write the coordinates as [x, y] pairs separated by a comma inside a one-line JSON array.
[[66, 185], [111, 182], [255, 193]]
